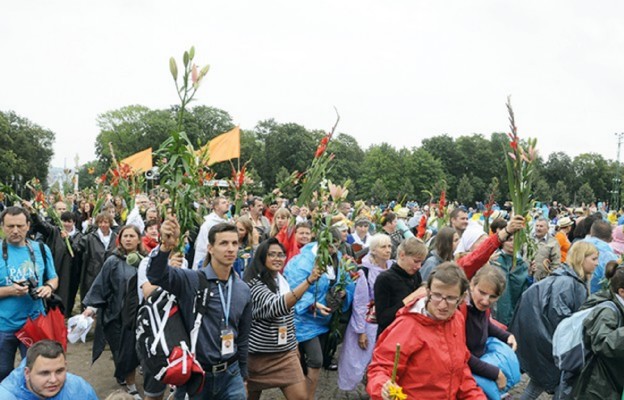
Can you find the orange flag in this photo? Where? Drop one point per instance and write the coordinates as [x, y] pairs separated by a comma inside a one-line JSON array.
[[139, 162], [224, 147]]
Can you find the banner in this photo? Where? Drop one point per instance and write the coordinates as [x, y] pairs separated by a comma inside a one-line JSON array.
[[139, 162]]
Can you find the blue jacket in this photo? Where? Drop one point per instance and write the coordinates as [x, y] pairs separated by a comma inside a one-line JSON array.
[[13, 387], [605, 254], [307, 326]]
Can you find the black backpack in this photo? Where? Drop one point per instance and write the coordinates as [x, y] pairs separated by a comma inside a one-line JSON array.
[[164, 345]]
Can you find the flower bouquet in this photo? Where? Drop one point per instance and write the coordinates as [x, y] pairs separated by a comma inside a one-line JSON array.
[[180, 164], [520, 157]]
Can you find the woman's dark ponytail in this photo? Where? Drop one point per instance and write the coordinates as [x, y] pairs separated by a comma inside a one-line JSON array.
[[615, 274]]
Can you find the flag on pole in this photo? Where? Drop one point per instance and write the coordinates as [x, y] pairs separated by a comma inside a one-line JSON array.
[[224, 147], [139, 162]]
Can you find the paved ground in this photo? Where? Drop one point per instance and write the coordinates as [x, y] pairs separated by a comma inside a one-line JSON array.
[[100, 375]]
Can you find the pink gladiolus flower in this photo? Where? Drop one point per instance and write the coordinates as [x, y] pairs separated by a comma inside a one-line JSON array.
[[512, 156], [194, 74], [532, 153]]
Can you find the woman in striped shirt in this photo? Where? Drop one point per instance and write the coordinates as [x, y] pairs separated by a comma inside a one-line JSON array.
[[273, 356]]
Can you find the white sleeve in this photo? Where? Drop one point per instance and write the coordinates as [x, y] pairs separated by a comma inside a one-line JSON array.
[[134, 218], [201, 245], [142, 277]]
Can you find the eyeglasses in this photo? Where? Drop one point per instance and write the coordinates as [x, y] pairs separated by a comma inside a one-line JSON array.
[[450, 300], [273, 254]]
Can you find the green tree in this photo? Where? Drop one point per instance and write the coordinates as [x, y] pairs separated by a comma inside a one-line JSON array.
[[478, 160], [594, 170], [285, 145], [88, 172], [558, 168], [379, 192], [381, 162], [204, 123], [561, 193], [283, 174], [26, 151], [465, 191], [541, 190], [444, 148], [131, 129], [585, 194], [424, 171], [348, 162]]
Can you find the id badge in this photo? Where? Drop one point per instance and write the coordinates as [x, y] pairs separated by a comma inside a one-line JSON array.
[[227, 342], [282, 334]]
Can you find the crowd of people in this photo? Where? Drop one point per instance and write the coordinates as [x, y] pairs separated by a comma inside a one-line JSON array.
[[469, 309]]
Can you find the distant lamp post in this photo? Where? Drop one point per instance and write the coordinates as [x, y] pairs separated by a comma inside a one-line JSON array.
[[617, 180]]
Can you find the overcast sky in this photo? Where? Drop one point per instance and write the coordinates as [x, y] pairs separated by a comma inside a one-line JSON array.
[[398, 71]]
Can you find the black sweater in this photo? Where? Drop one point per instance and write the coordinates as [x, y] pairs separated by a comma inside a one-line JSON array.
[[391, 287], [478, 329]]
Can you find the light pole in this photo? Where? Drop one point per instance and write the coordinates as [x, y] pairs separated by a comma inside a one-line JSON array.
[[615, 193]]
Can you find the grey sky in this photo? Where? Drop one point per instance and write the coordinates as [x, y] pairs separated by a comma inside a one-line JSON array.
[[398, 71]]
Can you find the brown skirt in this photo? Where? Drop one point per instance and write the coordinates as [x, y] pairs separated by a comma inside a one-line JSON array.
[[273, 370]]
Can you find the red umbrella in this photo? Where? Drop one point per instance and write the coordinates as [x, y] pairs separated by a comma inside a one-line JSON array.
[[48, 326]]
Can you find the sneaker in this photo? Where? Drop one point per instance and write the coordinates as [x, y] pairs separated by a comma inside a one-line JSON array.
[[332, 367], [135, 394]]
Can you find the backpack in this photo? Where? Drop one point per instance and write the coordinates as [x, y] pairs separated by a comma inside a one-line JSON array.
[[165, 346], [569, 349]]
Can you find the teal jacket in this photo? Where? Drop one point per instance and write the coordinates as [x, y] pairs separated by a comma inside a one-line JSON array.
[[517, 282]]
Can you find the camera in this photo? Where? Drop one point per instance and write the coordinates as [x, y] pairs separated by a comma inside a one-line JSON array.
[[32, 284]]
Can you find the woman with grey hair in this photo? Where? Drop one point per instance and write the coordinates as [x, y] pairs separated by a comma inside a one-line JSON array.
[[361, 333]]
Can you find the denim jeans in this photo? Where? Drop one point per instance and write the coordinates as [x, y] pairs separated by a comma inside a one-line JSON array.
[[224, 385], [8, 346]]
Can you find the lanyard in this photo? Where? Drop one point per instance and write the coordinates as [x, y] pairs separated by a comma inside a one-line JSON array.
[[226, 306]]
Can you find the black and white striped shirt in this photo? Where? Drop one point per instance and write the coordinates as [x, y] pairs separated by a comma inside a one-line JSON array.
[[269, 312]]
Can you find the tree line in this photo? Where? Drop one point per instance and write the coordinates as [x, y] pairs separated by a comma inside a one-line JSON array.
[[469, 167]]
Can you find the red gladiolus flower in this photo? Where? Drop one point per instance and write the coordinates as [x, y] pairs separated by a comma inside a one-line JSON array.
[[514, 144], [322, 146], [422, 227], [241, 176], [442, 204], [40, 198]]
